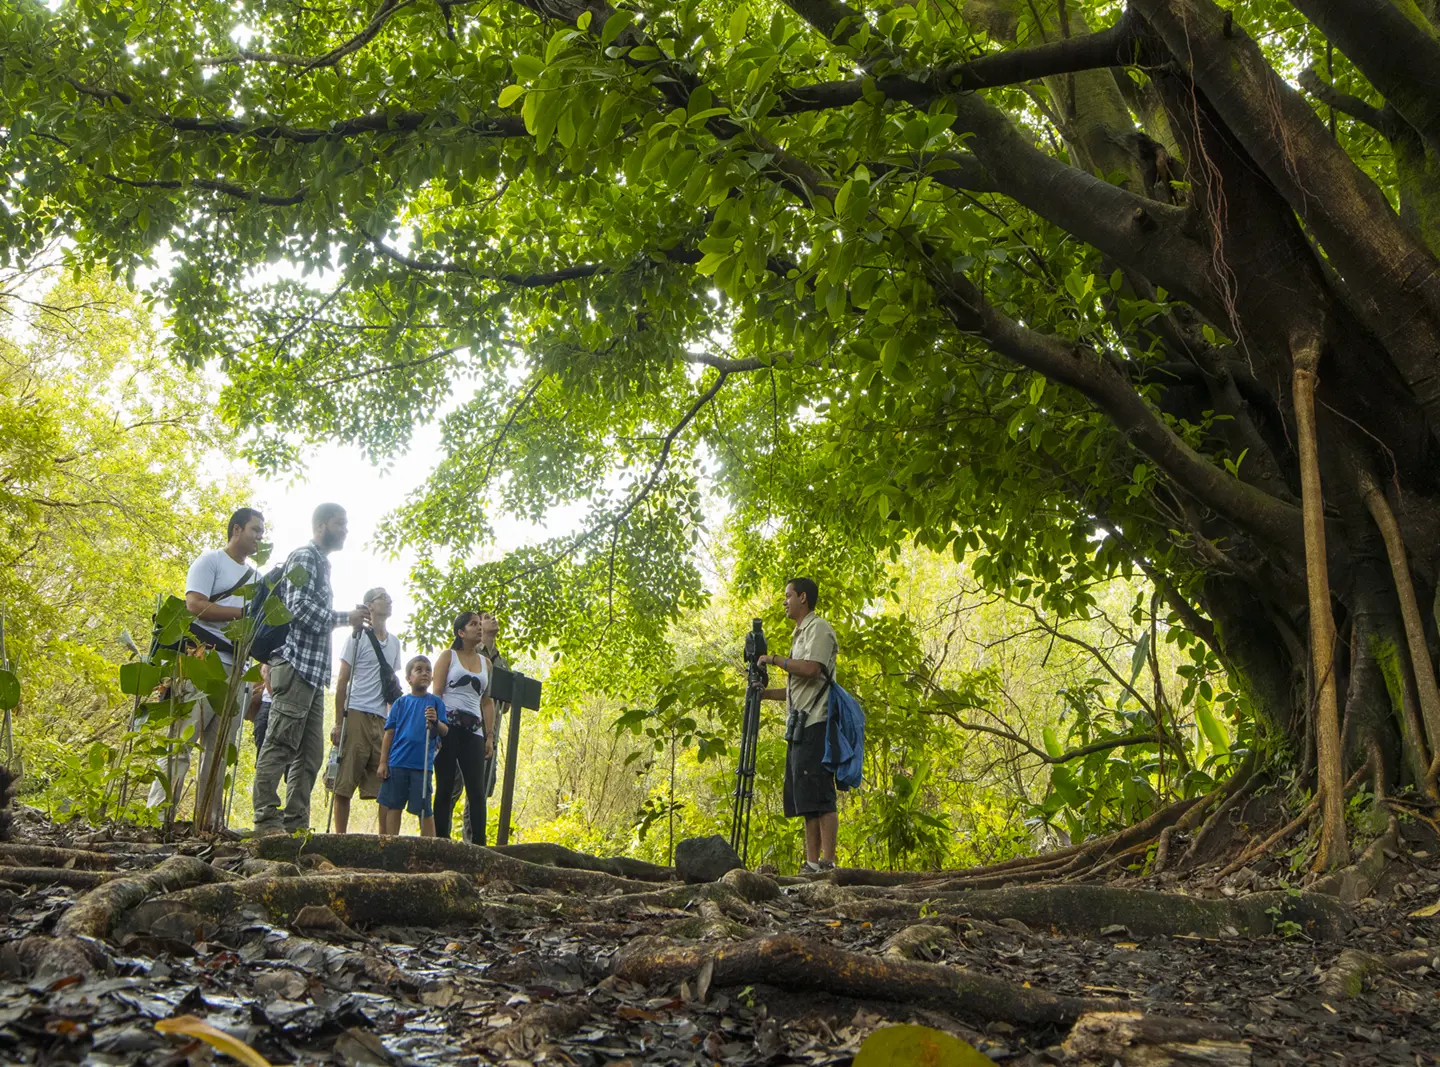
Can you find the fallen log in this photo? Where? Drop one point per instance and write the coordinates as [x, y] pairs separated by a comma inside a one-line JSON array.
[[797, 963], [421, 854]]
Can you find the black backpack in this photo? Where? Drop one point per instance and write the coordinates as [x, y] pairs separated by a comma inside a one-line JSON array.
[[270, 615]]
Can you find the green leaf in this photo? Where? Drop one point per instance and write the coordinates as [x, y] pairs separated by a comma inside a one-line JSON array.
[[1140, 656], [527, 67], [140, 678], [913, 1046], [297, 576], [9, 690], [739, 23], [1212, 728], [1052, 742], [615, 25], [511, 93]]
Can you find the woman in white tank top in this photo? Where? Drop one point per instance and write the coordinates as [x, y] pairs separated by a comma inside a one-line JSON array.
[[462, 676]]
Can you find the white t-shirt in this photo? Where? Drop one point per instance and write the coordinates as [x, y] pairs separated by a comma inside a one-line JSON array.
[[365, 693], [213, 573]]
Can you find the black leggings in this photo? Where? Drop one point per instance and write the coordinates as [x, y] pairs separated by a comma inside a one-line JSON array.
[[468, 750]]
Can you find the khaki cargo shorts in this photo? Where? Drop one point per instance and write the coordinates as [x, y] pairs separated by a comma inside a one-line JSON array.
[[360, 758]]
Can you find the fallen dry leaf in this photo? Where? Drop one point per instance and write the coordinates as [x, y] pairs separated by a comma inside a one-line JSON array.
[[192, 1026]]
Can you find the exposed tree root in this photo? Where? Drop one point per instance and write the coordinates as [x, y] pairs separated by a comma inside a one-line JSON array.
[[1346, 978], [1185, 823], [253, 868], [548, 855], [94, 914], [797, 963], [1061, 861], [417, 854], [1088, 908], [413, 899], [46, 959], [710, 924], [730, 901], [1252, 854], [1355, 881], [45, 876], [1130, 1039], [910, 942], [46, 856], [1246, 782]]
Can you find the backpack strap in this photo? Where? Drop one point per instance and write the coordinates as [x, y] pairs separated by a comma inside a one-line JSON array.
[[379, 652]]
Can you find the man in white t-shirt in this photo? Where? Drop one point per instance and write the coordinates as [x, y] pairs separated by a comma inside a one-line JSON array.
[[212, 596], [360, 707]]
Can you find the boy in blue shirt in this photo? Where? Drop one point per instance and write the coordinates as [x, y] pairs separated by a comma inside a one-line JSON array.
[[404, 762]]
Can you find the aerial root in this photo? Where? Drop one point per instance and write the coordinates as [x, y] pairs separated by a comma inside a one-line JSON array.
[[797, 963]]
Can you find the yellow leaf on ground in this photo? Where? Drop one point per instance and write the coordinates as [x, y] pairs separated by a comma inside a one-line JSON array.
[[1428, 912], [192, 1026], [918, 1046]]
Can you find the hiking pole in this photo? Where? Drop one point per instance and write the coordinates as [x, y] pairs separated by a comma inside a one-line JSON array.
[[339, 759], [344, 723], [429, 762]]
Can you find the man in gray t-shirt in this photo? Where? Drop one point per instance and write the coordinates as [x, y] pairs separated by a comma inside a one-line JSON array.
[[360, 707], [212, 597]]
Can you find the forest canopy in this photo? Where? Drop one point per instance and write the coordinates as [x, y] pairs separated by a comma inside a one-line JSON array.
[[1067, 290]]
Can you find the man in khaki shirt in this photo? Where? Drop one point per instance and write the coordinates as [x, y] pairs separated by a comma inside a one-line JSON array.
[[809, 788]]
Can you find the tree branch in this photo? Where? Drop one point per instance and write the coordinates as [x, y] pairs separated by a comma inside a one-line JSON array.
[[1346, 104], [1397, 56], [389, 368], [1394, 276], [239, 192], [329, 59], [1111, 47], [1065, 757], [341, 129], [525, 281]]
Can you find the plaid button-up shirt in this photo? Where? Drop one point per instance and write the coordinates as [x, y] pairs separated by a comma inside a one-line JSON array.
[[307, 645]]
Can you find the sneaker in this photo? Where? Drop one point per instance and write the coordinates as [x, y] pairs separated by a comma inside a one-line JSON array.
[[817, 866]]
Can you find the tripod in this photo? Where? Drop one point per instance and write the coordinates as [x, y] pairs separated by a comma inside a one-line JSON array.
[[756, 678]]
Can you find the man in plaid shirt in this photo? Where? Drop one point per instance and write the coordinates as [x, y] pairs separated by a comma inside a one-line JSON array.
[[295, 738]]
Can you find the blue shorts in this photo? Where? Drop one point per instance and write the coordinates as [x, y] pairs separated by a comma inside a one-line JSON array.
[[405, 788]]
